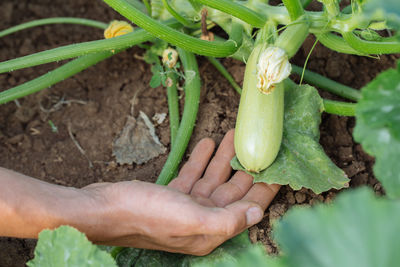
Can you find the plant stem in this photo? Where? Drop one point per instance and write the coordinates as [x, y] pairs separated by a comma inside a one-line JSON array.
[[148, 7], [201, 47], [225, 73], [237, 10], [328, 84], [339, 108], [178, 16], [292, 38], [295, 8], [192, 99], [371, 47], [60, 20], [173, 105], [75, 50], [53, 77], [336, 43]]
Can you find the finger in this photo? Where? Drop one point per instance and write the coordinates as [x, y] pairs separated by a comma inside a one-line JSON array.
[[235, 189], [232, 220], [218, 170], [96, 185], [194, 167], [262, 194]]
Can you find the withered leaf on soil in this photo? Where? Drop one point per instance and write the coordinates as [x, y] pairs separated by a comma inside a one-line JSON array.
[[138, 142]]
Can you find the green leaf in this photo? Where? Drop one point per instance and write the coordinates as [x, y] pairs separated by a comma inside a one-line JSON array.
[[226, 253], [152, 54], [158, 75], [252, 256], [301, 161], [357, 230], [67, 247], [378, 127], [388, 10]]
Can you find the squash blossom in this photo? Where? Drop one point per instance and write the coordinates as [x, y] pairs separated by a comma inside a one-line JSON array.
[[272, 68], [170, 57], [117, 28]]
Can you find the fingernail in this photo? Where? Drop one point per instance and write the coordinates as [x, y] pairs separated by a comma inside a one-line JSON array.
[[254, 215]]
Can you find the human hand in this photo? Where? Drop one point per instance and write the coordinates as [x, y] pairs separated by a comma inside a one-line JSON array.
[[194, 214]]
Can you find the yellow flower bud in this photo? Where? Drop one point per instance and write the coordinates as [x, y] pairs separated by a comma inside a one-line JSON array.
[[272, 68], [170, 57], [117, 28]]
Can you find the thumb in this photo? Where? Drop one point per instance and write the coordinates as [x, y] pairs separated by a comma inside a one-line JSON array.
[[234, 218], [249, 212]]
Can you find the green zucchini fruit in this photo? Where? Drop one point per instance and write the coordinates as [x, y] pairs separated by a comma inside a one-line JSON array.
[[259, 124]]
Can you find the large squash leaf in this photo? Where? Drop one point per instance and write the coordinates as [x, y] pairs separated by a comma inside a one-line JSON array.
[[227, 252], [357, 230], [67, 247], [378, 127], [301, 161]]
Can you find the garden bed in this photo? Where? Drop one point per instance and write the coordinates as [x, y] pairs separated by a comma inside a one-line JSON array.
[[94, 105]]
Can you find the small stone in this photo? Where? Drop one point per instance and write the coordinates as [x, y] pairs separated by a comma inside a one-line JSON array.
[[300, 197], [159, 117]]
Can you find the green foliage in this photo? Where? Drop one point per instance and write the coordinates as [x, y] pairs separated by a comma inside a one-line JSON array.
[[301, 161], [369, 35], [386, 10], [252, 256], [67, 247], [152, 56], [225, 253], [358, 230], [378, 127]]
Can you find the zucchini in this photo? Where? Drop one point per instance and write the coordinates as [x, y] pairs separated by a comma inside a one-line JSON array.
[[259, 124]]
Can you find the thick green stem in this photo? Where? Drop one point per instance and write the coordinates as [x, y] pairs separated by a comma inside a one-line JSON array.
[[225, 73], [148, 7], [293, 37], [336, 43], [192, 99], [75, 50], [173, 104], [178, 16], [339, 108], [295, 8], [201, 47], [328, 84], [371, 47], [237, 10], [53, 77], [61, 20]]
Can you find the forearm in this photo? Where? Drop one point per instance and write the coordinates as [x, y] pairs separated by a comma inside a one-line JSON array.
[[28, 205]]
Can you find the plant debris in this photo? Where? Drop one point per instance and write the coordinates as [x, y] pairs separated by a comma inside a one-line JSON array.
[[138, 142]]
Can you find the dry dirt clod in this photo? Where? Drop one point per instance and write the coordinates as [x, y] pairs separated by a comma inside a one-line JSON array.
[[355, 168], [330, 197], [290, 198], [276, 211], [300, 197], [253, 234]]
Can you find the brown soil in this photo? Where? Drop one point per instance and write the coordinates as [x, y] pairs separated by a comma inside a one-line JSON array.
[[28, 144]]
